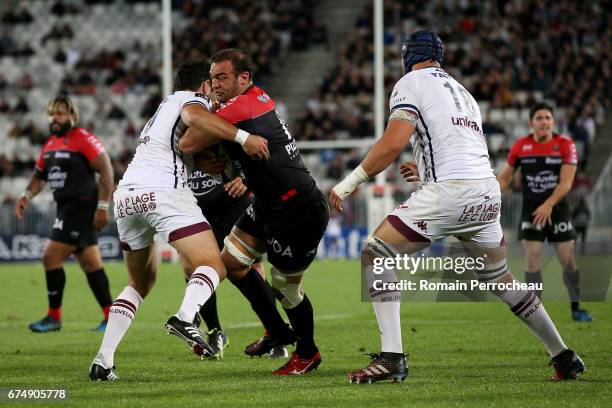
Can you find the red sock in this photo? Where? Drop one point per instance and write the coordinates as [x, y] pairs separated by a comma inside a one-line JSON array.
[[55, 313], [106, 311]]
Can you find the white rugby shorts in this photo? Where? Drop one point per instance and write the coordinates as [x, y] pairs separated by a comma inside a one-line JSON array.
[[466, 209], [143, 212]]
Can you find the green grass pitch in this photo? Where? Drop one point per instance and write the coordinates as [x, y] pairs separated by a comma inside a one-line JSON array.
[[461, 354]]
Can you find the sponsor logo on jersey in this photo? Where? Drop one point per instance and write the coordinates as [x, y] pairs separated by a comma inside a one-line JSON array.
[[553, 160], [57, 177], [144, 140], [527, 147], [466, 122], [264, 98], [543, 181], [58, 224], [202, 183]]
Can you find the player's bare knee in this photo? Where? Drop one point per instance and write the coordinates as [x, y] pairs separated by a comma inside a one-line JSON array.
[[51, 260], [287, 287]]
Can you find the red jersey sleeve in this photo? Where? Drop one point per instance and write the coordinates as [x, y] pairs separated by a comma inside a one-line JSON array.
[[235, 110], [514, 152], [40, 163], [569, 151], [90, 146]]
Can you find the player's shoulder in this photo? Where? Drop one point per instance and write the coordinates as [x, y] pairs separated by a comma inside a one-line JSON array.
[[564, 139], [249, 104], [188, 97], [408, 80], [80, 133]]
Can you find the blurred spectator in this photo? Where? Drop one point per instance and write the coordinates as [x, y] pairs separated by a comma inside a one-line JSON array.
[[21, 106], [4, 106], [60, 9], [116, 112], [21, 16]]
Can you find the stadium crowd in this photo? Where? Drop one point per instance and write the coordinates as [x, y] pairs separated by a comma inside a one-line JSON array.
[[508, 53], [267, 31]]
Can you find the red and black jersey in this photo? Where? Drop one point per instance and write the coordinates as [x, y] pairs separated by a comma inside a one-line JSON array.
[[64, 163], [541, 163], [282, 179]]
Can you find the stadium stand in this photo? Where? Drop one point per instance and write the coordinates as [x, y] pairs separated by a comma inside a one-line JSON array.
[[106, 54], [508, 54]]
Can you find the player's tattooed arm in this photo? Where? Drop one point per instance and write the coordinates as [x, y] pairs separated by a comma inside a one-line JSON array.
[[35, 185], [102, 165], [209, 129], [504, 178]]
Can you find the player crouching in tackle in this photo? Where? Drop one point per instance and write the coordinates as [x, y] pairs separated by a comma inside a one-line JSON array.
[[153, 197], [453, 160]]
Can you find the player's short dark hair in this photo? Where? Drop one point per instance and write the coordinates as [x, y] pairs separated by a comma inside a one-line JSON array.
[[539, 106], [240, 61], [191, 74]]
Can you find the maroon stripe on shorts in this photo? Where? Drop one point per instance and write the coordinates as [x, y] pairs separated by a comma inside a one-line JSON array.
[[125, 246], [408, 233], [125, 304], [188, 231]]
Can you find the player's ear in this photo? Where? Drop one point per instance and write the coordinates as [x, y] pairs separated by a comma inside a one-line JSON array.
[[244, 78]]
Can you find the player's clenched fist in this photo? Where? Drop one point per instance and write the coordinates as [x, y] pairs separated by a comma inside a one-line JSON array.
[[256, 147]]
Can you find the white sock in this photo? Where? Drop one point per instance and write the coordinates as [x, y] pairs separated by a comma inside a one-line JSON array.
[[386, 305], [528, 307], [202, 283], [120, 318], [389, 324]]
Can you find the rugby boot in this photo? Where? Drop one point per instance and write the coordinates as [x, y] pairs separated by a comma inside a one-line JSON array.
[[384, 366], [567, 365], [299, 366], [190, 334]]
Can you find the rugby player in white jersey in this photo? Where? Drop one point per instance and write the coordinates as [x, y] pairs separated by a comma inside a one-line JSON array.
[[442, 120], [153, 197]]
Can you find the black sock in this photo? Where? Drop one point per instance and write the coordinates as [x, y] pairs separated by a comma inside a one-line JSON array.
[[253, 287], [534, 277], [56, 280], [98, 282], [572, 283], [209, 313], [302, 320]]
